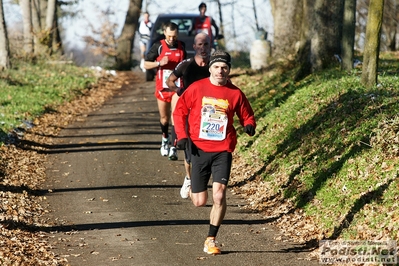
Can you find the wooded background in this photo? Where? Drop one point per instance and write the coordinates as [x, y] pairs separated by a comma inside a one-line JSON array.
[[310, 33]]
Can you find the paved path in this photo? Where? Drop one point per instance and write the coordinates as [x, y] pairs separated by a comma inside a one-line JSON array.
[[116, 199]]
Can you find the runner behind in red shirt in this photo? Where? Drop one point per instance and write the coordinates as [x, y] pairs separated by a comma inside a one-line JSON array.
[[165, 55], [204, 24]]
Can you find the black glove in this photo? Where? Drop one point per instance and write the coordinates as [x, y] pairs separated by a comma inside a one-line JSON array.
[[250, 130], [182, 143]]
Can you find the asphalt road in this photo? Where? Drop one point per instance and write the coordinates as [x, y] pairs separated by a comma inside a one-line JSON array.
[[116, 200]]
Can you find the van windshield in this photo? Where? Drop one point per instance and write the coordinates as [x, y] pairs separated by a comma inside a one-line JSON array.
[[185, 27]]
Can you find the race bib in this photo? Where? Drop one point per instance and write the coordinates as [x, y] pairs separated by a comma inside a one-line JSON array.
[[165, 75], [206, 31], [213, 119]]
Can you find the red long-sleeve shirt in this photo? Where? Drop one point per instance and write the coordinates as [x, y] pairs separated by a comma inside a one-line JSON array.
[[207, 107]]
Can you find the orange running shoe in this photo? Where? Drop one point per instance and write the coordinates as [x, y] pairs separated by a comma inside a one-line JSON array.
[[210, 246]]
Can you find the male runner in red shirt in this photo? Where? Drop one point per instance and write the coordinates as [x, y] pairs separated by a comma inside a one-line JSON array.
[[208, 107]]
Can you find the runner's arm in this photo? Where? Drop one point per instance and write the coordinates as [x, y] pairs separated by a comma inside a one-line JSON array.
[[177, 73], [150, 59], [171, 82], [180, 114], [245, 113], [213, 23]]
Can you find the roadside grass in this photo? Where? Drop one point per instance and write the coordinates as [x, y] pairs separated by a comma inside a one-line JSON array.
[[28, 90], [330, 146]]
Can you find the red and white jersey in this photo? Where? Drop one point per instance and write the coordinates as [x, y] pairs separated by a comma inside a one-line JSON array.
[[203, 25], [175, 56]]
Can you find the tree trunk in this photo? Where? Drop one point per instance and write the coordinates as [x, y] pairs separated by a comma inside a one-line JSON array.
[[27, 26], [56, 44], [348, 34], [390, 24], [372, 43], [327, 32], [36, 25], [4, 46], [321, 33], [43, 12], [222, 42], [39, 35], [303, 56], [287, 17], [125, 41], [50, 15], [51, 5]]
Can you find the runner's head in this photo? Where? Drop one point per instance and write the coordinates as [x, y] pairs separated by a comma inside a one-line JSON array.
[[219, 67], [146, 17], [220, 56], [202, 9], [202, 45], [171, 32]]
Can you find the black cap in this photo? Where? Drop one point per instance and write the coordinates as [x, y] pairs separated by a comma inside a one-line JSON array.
[[202, 5], [220, 56]]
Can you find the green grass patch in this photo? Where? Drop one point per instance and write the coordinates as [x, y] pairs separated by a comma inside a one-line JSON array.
[[29, 90], [315, 146]]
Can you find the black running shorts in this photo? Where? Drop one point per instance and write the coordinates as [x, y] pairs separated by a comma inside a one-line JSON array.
[[187, 152], [205, 164]]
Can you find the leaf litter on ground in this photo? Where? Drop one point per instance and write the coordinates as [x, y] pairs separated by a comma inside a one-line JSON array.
[[23, 238]]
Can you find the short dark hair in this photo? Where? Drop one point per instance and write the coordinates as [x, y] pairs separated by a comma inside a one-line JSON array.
[[202, 5], [171, 25]]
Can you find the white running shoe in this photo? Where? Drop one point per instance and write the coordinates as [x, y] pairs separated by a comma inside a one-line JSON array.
[[173, 154], [185, 189], [165, 147]]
